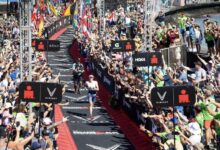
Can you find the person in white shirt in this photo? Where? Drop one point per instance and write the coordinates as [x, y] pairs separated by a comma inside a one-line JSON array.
[[93, 88]]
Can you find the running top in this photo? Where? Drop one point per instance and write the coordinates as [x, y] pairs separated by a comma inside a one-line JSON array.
[[92, 85]]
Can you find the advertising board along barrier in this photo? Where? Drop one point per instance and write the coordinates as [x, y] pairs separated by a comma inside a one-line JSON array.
[[103, 76], [173, 96], [147, 59], [40, 92], [56, 26]]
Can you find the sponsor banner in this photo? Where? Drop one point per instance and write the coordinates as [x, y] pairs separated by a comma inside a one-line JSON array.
[[162, 96], [33, 42], [184, 96], [140, 59], [123, 46], [126, 105], [117, 46], [129, 45], [41, 45], [53, 45], [147, 59], [56, 26], [155, 59], [29, 91], [103, 76], [40, 92], [51, 92], [46, 45], [175, 95]]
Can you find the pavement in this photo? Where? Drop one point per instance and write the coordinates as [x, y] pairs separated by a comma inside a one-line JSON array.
[[101, 133]]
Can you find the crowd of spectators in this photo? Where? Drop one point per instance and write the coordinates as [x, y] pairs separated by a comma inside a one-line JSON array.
[[196, 127], [49, 15], [21, 129]]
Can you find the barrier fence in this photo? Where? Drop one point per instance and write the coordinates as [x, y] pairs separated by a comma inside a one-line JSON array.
[[175, 55], [167, 5], [56, 26], [190, 2], [103, 76]]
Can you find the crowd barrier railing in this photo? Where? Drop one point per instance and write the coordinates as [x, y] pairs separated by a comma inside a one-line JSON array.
[[176, 55], [191, 2], [134, 110], [56, 26], [171, 5]]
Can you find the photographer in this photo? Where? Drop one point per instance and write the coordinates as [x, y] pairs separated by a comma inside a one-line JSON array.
[[78, 70]]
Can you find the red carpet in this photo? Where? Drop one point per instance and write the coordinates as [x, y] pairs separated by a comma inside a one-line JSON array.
[[131, 130], [59, 33], [65, 140]]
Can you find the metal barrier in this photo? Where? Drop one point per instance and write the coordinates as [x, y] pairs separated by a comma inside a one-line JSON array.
[[166, 5], [175, 55], [56, 26], [190, 2]]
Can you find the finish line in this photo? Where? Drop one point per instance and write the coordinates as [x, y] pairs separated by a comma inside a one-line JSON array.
[[81, 108], [94, 133]]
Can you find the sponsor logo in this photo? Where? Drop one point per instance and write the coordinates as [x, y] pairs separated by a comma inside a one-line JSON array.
[[99, 73], [41, 46], [117, 45], [29, 93], [183, 97], [114, 147], [93, 66], [140, 59], [162, 97], [51, 93], [106, 80], [54, 45], [87, 119], [128, 46], [154, 60]]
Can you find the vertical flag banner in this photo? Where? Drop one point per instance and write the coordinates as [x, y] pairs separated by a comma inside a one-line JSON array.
[[67, 11], [52, 8], [75, 19], [42, 4], [34, 13], [41, 26], [85, 21]]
